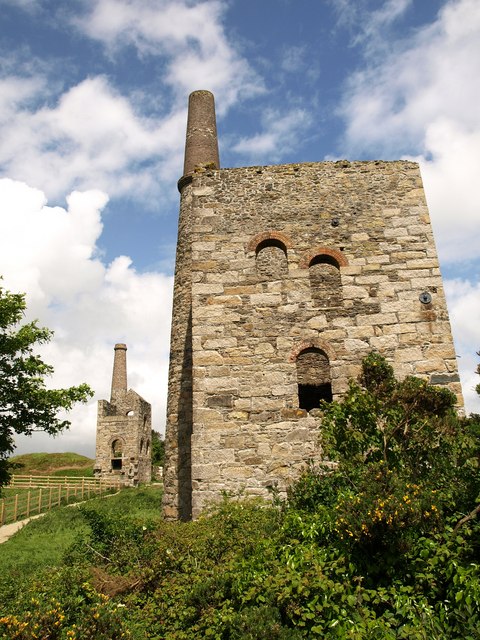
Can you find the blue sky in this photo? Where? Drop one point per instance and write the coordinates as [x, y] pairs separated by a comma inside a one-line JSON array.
[[93, 97]]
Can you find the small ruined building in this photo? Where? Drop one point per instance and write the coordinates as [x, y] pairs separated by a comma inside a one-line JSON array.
[[286, 277], [124, 429]]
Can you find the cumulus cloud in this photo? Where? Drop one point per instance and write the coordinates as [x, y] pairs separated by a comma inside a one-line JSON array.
[[463, 299], [450, 175], [50, 253], [390, 103], [281, 132], [89, 134], [190, 35], [91, 137], [419, 99]]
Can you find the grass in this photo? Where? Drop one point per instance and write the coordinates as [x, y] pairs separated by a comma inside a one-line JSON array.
[[43, 542], [74, 473], [33, 500], [52, 464]]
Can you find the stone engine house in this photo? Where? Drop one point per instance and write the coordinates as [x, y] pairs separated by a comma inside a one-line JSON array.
[[286, 277], [124, 429]]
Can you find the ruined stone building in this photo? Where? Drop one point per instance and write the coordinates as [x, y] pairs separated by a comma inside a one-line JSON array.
[[124, 429], [286, 277]]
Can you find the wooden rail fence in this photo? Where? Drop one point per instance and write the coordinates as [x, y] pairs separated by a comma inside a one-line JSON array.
[[36, 494]]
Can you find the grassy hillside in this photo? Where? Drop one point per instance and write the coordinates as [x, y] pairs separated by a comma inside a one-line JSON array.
[[65, 464], [44, 541]]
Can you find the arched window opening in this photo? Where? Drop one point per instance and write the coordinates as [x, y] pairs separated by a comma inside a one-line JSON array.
[[313, 378], [117, 454], [147, 447], [325, 281], [141, 445], [271, 259]]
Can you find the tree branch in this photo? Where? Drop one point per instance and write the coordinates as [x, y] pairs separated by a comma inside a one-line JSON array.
[[466, 518]]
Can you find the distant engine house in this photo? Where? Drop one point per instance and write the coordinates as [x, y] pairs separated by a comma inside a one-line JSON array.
[[124, 429]]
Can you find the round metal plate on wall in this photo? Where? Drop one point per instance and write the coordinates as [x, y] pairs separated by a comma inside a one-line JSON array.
[[425, 297]]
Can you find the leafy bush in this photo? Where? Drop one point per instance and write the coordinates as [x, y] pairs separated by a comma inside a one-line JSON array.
[[381, 541]]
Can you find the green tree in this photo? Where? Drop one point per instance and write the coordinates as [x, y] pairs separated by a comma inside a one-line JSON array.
[[158, 449], [477, 388], [26, 405]]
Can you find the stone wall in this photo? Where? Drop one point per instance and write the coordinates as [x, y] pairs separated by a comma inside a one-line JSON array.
[[318, 263]]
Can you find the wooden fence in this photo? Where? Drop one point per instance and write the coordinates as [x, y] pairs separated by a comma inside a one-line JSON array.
[[35, 494]]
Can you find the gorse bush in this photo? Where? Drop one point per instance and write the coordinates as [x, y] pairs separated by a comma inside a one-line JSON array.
[[381, 540]]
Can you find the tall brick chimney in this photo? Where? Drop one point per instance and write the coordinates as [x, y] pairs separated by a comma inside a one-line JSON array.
[[201, 145], [119, 377]]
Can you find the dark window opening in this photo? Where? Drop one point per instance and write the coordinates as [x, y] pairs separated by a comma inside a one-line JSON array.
[[310, 395], [313, 378], [116, 464], [117, 449]]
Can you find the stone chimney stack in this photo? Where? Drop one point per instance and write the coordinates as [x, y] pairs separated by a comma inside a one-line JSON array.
[[201, 145], [119, 377]]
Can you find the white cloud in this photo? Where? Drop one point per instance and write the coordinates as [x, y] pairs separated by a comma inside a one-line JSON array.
[[464, 305], [450, 177], [294, 59], [190, 35], [281, 132], [90, 138], [89, 135], [50, 253], [433, 75], [421, 96]]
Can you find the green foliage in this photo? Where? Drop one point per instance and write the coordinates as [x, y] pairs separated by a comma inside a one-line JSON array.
[[381, 541], [45, 542], [158, 449], [26, 405], [477, 388], [65, 606]]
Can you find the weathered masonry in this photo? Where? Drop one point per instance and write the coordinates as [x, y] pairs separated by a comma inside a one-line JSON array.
[[286, 277], [124, 429]]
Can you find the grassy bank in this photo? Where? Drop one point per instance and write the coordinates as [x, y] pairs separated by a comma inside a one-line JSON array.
[[64, 464], [43, 542]]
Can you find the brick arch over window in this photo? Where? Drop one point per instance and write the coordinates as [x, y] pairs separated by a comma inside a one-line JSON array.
[[318, 344], [324, 273], [270, 254], [268, 235], [335, 255]]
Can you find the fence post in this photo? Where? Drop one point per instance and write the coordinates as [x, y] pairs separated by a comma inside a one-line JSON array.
[[40, 500], [59, 494], [15, 507], [2, 511], [50, 499], [28, 503], [83, 487]]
